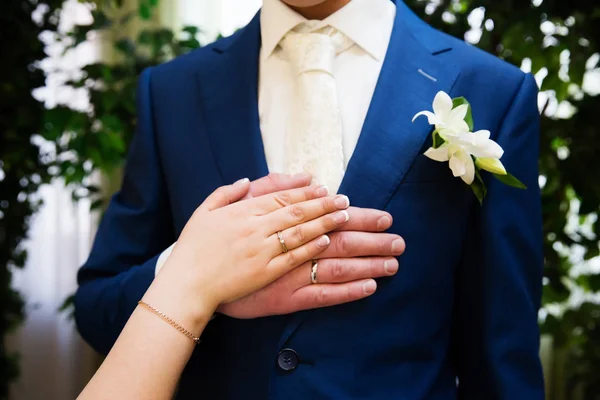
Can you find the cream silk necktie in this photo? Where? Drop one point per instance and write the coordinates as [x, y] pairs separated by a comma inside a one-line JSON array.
[[314, 142]]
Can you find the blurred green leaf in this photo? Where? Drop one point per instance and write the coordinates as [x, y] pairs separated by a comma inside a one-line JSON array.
[[510, 180]]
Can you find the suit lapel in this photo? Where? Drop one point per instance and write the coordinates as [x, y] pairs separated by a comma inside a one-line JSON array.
[[229, 93], [389, 142]]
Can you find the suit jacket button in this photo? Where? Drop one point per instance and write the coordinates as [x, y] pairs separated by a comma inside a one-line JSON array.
[[287, 359]]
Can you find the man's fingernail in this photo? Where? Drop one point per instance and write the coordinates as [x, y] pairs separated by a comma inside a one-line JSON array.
[[323, 241], [242, 181], [322, 191], [341, 201], [384, 223], [341, 216], [391, 266], [398, 246], [369, 287]]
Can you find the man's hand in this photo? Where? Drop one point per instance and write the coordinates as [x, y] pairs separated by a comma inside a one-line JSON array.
[[357, 252], [276, 183]]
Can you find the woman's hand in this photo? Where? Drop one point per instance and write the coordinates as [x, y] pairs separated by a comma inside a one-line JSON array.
[[227, 251]]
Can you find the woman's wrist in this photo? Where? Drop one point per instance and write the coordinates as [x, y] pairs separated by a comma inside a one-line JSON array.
[[180, 301]]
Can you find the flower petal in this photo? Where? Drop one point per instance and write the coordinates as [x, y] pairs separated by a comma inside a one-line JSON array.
[[486, 149], [469, 175], [493, 165], [457, 165], [468, 165], [442, 104], [482, 134], [456, 126], [440, 154], [459, 113], [431, 117], [449, 135]]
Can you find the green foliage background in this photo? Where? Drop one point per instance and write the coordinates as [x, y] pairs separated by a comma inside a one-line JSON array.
[[22, 167], [99, 137]]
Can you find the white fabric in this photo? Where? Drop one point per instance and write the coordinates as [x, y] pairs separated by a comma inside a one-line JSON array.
[[55, 362], [368, 23], [162, 259], [314, 139]]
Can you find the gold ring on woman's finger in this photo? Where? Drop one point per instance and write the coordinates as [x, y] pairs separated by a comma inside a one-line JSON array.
[[282, 242]]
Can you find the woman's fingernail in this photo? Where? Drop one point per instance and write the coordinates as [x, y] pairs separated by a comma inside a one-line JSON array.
[[398, 246], [323, 241], [391, 266], [341, 201], [341, 216], [242, 181], [369, 287], [384, 223], [322, 191]]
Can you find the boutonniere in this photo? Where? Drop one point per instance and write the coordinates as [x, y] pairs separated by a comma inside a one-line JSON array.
[[467, 152]]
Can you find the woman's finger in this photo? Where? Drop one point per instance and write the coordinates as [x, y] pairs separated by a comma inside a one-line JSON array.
[[298, 213], [302, 233], [226, 195], [274, 201], [285, 262]]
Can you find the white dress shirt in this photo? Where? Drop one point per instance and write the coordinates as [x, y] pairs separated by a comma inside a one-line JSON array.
[[368, 23]]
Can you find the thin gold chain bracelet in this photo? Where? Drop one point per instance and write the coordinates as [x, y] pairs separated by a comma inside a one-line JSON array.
[[170, 322]]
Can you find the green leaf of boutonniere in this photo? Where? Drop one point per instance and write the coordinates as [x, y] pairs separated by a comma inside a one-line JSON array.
[[437, 139], [479, 188], [510, 180]]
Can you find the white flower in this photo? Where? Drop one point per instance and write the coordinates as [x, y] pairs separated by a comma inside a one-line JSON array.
[[459, 148], [462, 149], [466, 152], [459, 160], [446, 118]]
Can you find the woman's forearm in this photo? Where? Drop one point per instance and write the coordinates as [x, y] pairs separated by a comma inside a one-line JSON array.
[[226, 251], [150, 355]]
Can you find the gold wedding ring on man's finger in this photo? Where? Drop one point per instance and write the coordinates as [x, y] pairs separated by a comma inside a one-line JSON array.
[[284, 248], [313, 272]]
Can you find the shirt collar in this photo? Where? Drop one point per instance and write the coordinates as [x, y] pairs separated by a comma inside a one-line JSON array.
[[368, 23]]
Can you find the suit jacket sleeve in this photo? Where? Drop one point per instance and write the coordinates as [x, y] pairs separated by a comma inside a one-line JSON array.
[[500, 280], [136, 227]]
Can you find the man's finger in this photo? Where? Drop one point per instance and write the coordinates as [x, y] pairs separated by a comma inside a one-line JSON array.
[[362, 244], [226, 195], [330, 294], [340, 270], [277, 182], [367, 220]]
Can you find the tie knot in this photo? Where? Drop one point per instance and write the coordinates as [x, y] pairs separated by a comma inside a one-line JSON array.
[[311, 49]]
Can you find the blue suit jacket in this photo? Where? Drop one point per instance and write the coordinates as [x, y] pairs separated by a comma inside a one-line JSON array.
[[463, 305]]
